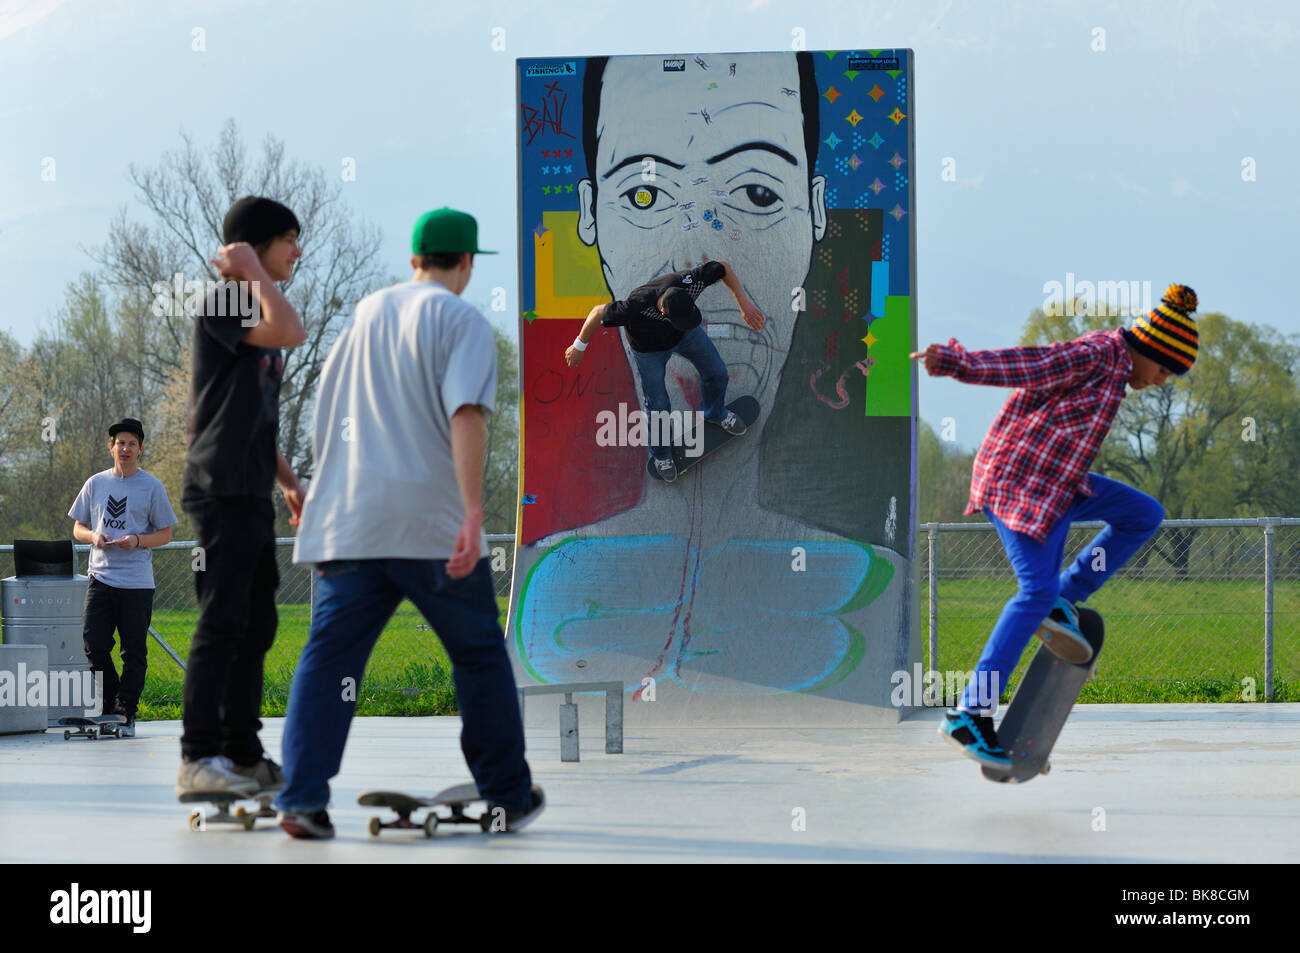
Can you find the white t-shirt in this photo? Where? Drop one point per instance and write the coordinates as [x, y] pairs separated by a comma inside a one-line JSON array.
[[118, 506], [384, 484]]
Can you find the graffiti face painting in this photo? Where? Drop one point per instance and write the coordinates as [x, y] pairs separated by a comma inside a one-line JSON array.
[[683, 170]]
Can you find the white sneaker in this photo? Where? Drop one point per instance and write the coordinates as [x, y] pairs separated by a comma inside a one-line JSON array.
[[213, 775]]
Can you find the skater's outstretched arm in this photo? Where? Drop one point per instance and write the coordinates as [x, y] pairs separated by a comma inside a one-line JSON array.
[[1056, 365]]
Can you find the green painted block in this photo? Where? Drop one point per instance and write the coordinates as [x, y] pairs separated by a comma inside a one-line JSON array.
[[889, 384]]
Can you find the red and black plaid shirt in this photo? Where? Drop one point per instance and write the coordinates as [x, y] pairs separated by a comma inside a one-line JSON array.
[[1036, 456]]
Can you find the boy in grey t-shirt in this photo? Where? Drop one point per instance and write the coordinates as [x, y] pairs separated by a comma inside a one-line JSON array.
[[121, 512]]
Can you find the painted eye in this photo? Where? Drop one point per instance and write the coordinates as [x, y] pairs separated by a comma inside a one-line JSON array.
[[760, 195], [642, 196]]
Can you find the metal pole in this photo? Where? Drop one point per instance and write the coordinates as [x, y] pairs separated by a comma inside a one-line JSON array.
[[932, 550], [167, 648], [1269, 573]]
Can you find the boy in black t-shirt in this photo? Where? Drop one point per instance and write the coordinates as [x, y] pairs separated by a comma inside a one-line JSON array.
[[231, 465], [661, 320]]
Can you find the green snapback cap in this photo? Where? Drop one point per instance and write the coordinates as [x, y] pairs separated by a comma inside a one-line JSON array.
[[446, 230]]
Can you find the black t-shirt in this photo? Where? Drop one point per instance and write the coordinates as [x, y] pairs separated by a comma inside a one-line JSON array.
[[234, 406], [647, 329]]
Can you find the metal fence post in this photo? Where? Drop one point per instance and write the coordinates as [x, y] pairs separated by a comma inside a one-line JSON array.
[[932, 543], [1270, 570]]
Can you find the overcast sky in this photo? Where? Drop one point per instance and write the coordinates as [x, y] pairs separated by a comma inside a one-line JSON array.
[[1151, 142]]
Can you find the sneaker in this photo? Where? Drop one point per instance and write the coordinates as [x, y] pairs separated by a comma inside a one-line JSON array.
[[973, 736], [266, 773], [518, 820], [126, 730], [307, 825], [731, 424], [667, 469], [1060, 633], [212, 775]]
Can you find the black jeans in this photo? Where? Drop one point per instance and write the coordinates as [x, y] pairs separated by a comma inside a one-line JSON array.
[[129, 612], [236, 585]]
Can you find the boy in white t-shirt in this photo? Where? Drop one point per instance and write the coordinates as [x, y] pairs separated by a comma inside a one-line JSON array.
[[395, 511], [122, 513]]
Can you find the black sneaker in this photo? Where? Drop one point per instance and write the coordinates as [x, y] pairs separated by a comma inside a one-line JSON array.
[[127, 729], [973, 735], [307, 826], [667, 469], [731, 424], [518, 820]]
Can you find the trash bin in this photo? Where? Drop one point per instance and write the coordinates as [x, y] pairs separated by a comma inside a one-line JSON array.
[[43, 605]]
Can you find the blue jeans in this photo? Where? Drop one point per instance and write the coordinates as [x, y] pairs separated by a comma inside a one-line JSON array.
[[1132, 518], [353, 602], [696, 347]]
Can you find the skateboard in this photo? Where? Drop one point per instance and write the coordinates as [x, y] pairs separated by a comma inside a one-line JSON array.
[[200, 819], [746, 408], [108, 726], [456, 799], [1041, 705]]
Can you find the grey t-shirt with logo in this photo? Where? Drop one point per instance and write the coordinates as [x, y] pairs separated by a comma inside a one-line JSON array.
[[117, 506], [384, 485]]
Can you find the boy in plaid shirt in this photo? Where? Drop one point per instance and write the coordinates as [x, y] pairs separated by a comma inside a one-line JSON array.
[[1031, 479]]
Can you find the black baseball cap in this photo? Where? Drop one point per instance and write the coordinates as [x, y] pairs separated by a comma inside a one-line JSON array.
[[130, 425]]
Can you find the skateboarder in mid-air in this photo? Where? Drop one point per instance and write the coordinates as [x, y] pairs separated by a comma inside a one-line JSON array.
[[1031, 479], [662, 320]]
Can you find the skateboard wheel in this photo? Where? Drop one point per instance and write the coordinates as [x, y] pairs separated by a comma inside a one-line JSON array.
[[67, 735], [91, 734], [430, 825], [196, 821], [240, 812], [375, 827], [1047, 767], [248, 820]]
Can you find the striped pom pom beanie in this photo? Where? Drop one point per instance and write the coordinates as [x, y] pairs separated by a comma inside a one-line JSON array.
[[1167, 334]]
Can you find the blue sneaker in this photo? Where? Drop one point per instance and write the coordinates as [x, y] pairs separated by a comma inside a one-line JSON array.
[[1060, 633], [973, 736]]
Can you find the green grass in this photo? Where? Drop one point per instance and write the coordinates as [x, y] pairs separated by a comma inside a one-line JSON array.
[[1166, 641], [408, 674]]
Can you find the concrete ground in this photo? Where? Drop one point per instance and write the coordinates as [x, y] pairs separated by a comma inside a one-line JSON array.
[[1130, 783]]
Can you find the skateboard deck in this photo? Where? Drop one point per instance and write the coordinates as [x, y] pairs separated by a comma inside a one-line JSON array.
[[455, 799], [108, 726], [1042, 703], [746, 408], [200, 819]]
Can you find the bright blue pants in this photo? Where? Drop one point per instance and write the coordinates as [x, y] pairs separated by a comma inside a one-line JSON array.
[[1132, 518]]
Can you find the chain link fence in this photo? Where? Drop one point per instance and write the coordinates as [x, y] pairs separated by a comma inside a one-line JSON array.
[[408, 660], [1211, 602], [1204, 601]]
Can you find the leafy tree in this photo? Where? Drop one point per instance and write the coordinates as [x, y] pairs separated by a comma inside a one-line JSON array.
[[501, 475], [1220, 441], [71, 385], [943, 472]]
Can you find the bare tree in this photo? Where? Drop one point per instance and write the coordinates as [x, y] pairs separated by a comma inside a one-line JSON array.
[[186, 195]]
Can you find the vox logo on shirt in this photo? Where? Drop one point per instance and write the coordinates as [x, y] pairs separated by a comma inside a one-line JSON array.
[[115, 509]]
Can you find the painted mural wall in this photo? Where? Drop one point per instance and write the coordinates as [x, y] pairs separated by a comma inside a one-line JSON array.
[[781, 562]]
